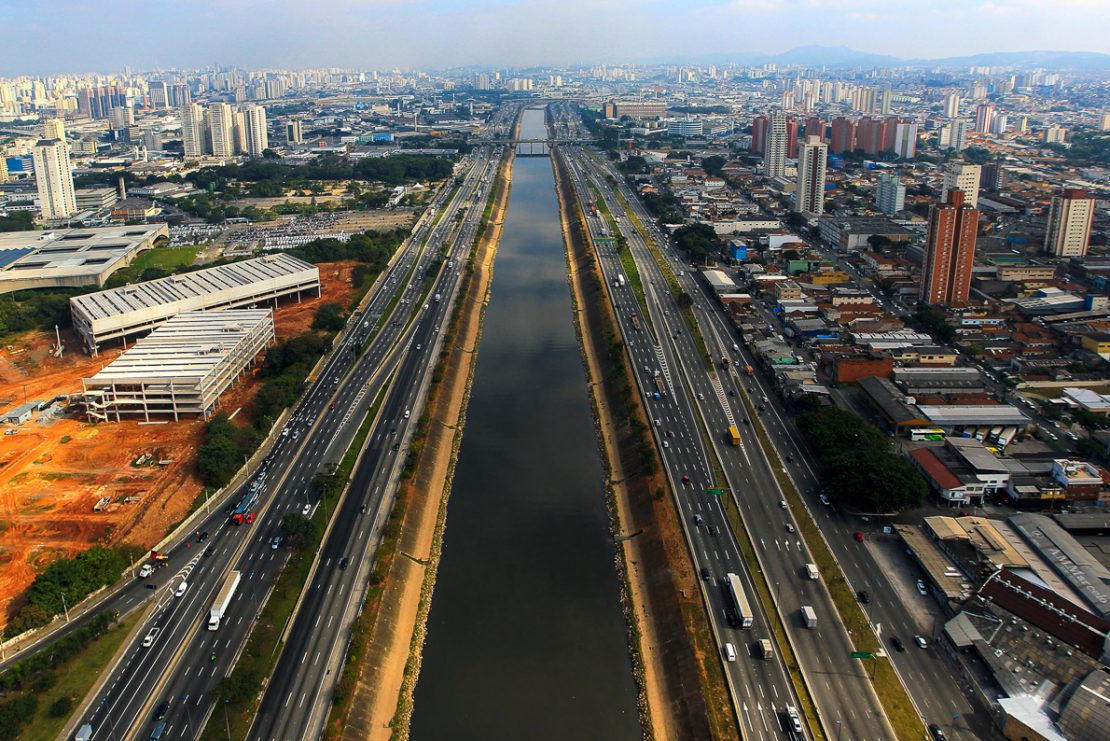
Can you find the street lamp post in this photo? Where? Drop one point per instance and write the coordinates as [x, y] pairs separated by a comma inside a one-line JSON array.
[[227, 723]]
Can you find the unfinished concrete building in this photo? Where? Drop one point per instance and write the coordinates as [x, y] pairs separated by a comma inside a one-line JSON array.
[[181, 368]]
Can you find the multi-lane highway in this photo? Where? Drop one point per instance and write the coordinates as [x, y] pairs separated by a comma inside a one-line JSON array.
[[928, 674], [841, 690], [397, 333]]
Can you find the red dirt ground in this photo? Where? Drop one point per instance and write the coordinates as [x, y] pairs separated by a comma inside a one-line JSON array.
[[53, 473]]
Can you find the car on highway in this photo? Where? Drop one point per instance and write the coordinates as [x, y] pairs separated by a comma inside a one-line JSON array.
[[275, 542], [704, 573], [789, 528], [209, 550], [305, 510], [921, 587], [419, 346], [332, 405], [408, 413], [824, 499], [936, 732], [686, 479], [698, 520], [713, 530], [666, 444], [858, 536], [897, 643], [782, 504], [161, 710], [343, 563], [920, 641], [670, 433], [864, 597], [146, 571], [182, 588], [151, 637], [202, 536]]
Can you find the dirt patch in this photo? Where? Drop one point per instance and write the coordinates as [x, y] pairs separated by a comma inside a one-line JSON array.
[[66, 484]]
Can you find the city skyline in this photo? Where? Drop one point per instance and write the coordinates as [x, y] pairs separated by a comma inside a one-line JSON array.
[[438, 34]]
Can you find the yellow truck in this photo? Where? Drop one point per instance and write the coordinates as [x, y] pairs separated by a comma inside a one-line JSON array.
[[734, 436]]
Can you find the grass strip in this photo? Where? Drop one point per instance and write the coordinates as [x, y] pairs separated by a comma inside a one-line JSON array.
[[624, 254], [241, 691], [890, 690], [60, 689]]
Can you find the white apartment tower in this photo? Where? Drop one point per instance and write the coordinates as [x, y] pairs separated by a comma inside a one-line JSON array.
[[809, 198], [965, 177], [257, 141], [54, 177], [1068, 232], [221, 123], [890, 196], [952, 105], [774, 149], [192, 130]]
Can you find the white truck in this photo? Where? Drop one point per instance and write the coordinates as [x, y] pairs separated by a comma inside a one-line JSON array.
[[812, 572], [619, 282], [809, 617], [223, 600]]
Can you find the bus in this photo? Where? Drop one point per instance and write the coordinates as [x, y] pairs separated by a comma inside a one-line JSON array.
[[918, 434], [734, 436], [740, 601]]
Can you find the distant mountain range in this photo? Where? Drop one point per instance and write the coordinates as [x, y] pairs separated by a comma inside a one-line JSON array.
[[842, 56]]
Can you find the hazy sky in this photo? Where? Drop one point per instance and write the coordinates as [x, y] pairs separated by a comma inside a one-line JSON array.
[[45, 36]]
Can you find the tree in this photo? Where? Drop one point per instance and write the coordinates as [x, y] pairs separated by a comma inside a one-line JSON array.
[[698, 241], [297, 530], [878, 241], [329, 318], [713, 165], [685, 300], [17, 221]]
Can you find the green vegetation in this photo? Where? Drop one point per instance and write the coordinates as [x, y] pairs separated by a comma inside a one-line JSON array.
[[329, 318], [25, 310], [713, 165], [663, 207], [1087, 149], [66, 582], [65, 676], [858, 466], [17, 221], [932, 320], [698, 241], [154, 264]]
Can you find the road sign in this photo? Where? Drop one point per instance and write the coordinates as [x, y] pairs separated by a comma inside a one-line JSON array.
[[862, 655], [715, 492]]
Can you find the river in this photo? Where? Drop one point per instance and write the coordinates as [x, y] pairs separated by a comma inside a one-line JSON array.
[[526, 638]]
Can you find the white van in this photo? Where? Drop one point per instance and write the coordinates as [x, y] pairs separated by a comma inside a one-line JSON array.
[[730, 652], [181, 589], [146, 571], [408, 413]]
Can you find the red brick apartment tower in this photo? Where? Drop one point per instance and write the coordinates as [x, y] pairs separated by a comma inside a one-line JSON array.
[[949, 251]]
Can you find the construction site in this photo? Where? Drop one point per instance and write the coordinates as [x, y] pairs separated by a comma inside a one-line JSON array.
[[67, 484]]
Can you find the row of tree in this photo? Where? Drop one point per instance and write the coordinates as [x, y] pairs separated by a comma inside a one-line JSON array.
[[858, 465]]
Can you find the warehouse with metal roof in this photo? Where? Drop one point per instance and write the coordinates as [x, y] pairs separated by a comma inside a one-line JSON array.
[[120, 312], [181, 368], [72, 257]]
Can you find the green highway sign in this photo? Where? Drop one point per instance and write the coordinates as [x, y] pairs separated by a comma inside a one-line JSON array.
[[862, 655], [715, 492]]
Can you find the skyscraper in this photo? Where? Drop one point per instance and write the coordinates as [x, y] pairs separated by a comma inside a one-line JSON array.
[[221, 124], [3, 169], [949, 251], [294, 132], [774, 152], [257, 140], [55, 128], [192, 130], [905, 140], [809, 198], [1068, 232], [159, 94], [984, 117], [843, 135], [952, 105], [890, 196], [54, 177], [965, 177]]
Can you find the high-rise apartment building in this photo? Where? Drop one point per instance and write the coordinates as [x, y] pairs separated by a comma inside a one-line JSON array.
[[294, 132], [949, 251], [193, 130], [1055, 135], [984, 117], [964, 177], [842, 137], [3, 169], [257, 139], [890, 196], [1068, 232], [759, 134], [54, 128], [54, 177], [159, 94], [774, 152], [809, 197], [905, 139], [952, 105], [1104, 121], [221, 125]]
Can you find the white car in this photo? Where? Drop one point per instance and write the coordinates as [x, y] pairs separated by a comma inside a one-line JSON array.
[[151, 637], [921, 587], [181, 589], [146, 571], [305, 510]]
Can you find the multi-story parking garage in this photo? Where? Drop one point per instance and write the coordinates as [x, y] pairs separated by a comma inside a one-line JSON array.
[[121, 312], [182, 367]]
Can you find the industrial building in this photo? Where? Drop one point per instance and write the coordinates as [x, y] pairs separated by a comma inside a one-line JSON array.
[[72, 257], [182, 367], [121, 312]]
